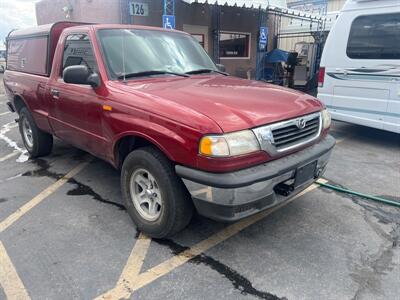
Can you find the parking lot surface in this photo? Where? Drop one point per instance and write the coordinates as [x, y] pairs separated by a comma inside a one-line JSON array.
[[65, 235]]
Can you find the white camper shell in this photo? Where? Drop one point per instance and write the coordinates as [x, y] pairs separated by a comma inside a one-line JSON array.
[[359, 78]]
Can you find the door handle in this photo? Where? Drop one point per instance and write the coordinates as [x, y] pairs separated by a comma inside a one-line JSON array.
[[343, 71], [55, 93]]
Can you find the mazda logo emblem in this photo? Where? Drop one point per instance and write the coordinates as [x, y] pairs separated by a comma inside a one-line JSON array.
[[301, 123]]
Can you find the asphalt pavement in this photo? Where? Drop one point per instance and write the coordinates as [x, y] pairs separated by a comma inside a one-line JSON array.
[[64, 233]]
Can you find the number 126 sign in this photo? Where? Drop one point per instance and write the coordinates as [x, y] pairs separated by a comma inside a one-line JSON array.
[[139, 9]]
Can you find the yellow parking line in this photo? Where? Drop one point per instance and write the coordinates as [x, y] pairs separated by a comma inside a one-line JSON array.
[[8, 156], [338, 141], [40, 197], [131, 270], [9, 280], [169, 265]]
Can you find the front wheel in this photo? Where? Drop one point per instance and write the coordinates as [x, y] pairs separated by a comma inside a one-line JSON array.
[[154, 196], [36, 141]]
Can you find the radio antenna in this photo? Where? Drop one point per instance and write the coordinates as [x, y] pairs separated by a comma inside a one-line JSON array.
[[123, 55]]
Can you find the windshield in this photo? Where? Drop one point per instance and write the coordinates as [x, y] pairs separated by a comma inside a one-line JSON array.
[[129, 51]]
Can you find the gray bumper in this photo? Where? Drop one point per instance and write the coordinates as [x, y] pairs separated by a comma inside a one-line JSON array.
[[235, 195]]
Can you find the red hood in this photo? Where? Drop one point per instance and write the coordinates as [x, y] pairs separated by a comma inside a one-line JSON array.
[[233, 103]]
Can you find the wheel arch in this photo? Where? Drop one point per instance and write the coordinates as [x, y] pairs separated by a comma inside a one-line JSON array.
[[19, 102], [128, 142]]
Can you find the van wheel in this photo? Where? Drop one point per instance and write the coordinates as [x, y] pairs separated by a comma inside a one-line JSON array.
[[36, 141], [153, 194]]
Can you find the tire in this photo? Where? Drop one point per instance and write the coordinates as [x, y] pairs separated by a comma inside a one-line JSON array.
[[173, 209], [37, 142]]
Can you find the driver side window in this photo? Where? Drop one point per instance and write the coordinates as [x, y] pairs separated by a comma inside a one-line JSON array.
[[78, 51]]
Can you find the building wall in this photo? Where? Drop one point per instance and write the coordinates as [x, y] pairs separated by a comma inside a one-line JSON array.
[[93, 11], [233, 19], [335, 5], [288, 44]]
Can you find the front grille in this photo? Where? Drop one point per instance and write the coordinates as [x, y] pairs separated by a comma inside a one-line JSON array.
[[289, 134]]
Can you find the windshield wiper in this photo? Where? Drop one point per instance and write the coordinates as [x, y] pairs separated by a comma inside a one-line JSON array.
[[199, 71], [149, 73]]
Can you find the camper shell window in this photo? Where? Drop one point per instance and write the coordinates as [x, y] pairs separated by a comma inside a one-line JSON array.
[[28, 55], [375, 37]]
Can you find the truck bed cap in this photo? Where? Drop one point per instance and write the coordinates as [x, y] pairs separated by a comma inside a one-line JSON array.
[[42, 30]]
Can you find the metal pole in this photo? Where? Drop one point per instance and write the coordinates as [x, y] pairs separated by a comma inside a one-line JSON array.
[[215, 31], [169, 7], [262, 22]]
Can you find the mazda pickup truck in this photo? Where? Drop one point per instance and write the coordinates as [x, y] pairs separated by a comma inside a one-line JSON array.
[[186, 135]]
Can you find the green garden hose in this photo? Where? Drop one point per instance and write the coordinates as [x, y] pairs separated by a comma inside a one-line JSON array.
[[373, 198]]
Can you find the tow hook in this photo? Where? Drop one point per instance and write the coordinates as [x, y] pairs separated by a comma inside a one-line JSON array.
[[283, 189], [319, 172]]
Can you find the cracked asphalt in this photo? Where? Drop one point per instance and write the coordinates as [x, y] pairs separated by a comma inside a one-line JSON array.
[[324, 245]]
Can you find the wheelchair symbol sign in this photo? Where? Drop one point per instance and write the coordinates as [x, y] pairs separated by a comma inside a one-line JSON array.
[[263, 38], [169, 21], [263, 35]]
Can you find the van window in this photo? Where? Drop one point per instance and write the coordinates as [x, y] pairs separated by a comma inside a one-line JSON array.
[[375, 37], [78, 51]]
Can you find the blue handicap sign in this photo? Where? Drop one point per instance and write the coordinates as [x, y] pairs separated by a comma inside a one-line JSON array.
[[263, 39], [263, 34], [168, 21]]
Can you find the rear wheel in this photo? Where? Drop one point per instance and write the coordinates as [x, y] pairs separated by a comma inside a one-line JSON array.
[[154, 196], [36, 141]]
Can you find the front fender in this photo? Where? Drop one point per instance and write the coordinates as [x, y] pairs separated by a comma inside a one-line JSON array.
[[177, 142]]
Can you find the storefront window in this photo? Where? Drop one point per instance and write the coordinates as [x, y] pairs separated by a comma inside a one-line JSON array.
[[234, 45]]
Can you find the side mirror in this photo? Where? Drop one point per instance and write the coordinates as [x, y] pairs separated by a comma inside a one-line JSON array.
[[94, 80], [80, 74], [221, 67]]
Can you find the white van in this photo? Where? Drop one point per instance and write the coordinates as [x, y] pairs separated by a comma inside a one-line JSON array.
[[359, 79]]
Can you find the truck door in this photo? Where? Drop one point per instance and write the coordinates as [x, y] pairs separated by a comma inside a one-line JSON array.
[[76, 110]]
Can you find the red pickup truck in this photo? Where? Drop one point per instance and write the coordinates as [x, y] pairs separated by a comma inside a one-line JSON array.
[[184, 133]]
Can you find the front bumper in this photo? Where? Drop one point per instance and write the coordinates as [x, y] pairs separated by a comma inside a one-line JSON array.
[[235, 195]]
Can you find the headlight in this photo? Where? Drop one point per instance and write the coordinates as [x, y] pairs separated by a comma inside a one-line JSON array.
[[230, 144], [326, 118]]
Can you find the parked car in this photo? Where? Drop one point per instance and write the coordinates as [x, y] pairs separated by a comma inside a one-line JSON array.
[[151, 102], [359, 79]]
